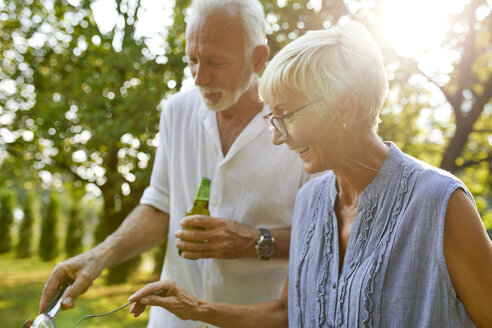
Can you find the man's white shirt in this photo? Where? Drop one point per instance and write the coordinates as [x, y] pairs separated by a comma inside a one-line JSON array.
[[254, 184]]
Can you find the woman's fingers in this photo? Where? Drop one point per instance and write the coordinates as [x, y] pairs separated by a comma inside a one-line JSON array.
[[161, 287], [137, 309]]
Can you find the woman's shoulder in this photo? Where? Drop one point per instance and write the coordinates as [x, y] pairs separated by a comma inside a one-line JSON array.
[[429, 176]]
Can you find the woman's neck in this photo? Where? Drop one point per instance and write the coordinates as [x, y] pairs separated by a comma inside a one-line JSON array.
[[364, 156]]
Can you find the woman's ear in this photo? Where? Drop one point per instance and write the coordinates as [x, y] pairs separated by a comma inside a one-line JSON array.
[[348, 108], [260, 56]]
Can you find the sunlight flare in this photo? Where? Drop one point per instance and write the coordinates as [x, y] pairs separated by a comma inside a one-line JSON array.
[[412, 27]]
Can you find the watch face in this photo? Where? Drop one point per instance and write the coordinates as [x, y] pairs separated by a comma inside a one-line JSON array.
[[266, 248]]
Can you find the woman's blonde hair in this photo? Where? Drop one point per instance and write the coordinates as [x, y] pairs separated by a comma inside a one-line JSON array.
[[329, 63]]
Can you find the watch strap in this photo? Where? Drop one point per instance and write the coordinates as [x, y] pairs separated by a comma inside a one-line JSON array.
[[266, 233]]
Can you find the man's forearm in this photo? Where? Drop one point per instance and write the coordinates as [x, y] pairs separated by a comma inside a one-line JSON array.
[[142, 229]]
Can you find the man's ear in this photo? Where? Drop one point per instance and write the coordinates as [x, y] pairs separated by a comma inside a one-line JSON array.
[[260, 56], [348, 107]]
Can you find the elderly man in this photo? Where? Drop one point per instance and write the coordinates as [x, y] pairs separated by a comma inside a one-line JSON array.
[[216, 131]]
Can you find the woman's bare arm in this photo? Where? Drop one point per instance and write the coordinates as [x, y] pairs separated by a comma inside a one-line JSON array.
[[468, 254], [188, 307]]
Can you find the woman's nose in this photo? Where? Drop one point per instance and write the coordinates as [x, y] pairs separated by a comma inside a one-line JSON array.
[[277, 137]]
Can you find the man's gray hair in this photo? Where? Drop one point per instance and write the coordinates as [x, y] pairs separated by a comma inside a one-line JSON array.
[[250, 13], [330, 63]]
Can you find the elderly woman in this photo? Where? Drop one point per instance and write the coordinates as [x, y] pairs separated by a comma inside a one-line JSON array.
[[381, 240]]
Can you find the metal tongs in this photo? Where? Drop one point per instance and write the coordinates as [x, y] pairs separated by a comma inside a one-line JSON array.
[[47, 319]]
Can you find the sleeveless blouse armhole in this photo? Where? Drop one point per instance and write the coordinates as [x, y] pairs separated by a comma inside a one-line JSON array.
[[442, 219]]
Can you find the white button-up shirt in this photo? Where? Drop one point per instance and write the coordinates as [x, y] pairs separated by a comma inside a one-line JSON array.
[[254, 184]]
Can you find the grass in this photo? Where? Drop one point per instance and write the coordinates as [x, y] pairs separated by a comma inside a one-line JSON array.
[[21, 283]]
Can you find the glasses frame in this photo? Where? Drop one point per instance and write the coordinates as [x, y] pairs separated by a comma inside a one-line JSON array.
[[277, 124]]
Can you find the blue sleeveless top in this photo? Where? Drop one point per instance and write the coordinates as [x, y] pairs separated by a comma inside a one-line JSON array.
[[393, 273]]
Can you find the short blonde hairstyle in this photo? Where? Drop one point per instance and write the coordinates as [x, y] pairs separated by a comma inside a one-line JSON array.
[[329, 63]]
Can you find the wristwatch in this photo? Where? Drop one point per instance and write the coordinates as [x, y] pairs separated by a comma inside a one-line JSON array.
[[265, 246]]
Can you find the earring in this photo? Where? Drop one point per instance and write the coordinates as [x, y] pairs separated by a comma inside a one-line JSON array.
[[344, 125]]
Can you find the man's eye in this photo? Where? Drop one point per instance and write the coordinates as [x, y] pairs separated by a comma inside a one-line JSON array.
[[215, 63]]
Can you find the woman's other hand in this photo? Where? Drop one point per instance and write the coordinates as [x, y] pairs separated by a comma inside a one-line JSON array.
[[169, 295]]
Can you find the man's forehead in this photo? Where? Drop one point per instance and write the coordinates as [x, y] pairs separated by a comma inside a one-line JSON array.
[[215, 35], [214, 25]]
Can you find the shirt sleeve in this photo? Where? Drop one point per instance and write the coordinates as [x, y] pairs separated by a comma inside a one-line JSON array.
[[157, 193]]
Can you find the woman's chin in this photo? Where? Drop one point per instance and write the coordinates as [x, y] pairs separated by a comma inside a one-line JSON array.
[[309, 168]]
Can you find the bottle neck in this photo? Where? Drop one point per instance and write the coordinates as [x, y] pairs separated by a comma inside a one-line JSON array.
[[201, 203], [203, 192]]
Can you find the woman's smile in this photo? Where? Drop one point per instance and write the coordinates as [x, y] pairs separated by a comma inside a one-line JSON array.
[[301, 150]]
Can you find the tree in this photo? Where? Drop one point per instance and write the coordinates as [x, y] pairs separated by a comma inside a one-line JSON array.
[[7, 206], [75, 229], [48, 243], [31, 216], [89, 101]]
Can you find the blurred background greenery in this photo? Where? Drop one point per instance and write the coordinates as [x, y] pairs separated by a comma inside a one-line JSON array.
[[22, 283], [82, 84]]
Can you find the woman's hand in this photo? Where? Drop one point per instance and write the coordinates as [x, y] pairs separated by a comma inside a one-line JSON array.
[[169, 295]]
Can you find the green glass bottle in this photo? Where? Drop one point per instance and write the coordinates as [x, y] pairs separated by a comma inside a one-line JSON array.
[[200, 204]]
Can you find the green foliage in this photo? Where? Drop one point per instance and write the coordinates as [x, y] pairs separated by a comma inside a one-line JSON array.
[[7, 206], [90, 99], [31, 217], [158, 254], [75, 230], [48, 243]]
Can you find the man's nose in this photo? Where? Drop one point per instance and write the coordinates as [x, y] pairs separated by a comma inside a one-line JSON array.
[[203, 75]]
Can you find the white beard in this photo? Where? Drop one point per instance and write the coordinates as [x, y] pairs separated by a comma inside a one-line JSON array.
[[227, 98]]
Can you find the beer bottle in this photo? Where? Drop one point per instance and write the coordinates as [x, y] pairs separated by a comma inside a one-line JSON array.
[[200, 204]]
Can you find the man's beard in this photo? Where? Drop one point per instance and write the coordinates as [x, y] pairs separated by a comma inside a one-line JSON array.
[[228, 98]]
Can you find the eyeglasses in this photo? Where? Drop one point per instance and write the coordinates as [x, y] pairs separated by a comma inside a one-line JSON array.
[[277, 123]]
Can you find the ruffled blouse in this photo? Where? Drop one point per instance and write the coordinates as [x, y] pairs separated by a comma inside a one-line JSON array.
[[393, 273]]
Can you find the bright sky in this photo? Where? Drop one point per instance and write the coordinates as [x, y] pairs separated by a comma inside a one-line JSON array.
[[154, 18], [414, 26]]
